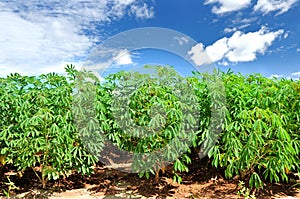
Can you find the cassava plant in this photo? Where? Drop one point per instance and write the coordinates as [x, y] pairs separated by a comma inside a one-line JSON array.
[[261, 138], [152, 115], [37, 129]]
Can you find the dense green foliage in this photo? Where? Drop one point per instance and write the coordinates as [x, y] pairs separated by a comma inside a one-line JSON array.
[[248, 125], [36, 126], [153, 115], [262, 132]]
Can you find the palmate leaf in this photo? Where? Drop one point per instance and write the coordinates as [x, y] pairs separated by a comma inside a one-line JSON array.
[[255, 180], [155, 108], [264, 123], [260, 134], [42, 126]]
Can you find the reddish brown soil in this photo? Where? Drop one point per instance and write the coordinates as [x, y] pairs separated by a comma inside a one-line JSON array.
[[200, 182]]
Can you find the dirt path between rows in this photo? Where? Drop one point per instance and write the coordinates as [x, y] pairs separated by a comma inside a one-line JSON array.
[[200, 182]]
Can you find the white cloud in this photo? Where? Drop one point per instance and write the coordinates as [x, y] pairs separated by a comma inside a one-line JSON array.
[[228, 30], [108, 57], [240, 47], [276, 76], [30, 46], [228, 5], [296, 75], [217, 50], [123, 58], [293, 76], [245, 47], [224, 63], [81, 12], [198, 55], [266, 6], [58, 67], [143, 12], [182, 40], [240, 19], [298, 50], [47, 33]]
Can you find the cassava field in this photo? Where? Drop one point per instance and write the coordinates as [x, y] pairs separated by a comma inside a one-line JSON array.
[[149, 135]]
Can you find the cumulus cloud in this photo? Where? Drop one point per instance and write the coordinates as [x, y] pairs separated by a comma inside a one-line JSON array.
[[217, 50], [240, 47], [37, 35], [244, 47], [123, 58], [198, 55], [266, 6], [31, 46], [226, 6]]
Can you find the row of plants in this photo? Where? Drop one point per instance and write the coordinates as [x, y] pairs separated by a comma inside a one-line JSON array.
[[59, 124], [260, 140], [36, 128]]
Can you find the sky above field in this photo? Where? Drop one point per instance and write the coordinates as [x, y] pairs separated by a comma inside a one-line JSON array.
[[248, 36]]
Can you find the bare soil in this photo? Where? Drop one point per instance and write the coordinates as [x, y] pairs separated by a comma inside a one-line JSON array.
[[202, 181]]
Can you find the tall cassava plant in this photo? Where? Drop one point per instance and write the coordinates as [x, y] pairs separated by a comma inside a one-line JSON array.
[[56, 124], [153, 115], [260, 140], [37, 130]]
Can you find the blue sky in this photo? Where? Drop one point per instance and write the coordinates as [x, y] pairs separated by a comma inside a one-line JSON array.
[[248, 36]]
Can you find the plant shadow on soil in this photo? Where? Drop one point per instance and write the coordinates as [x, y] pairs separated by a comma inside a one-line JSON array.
[[202, 181]]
